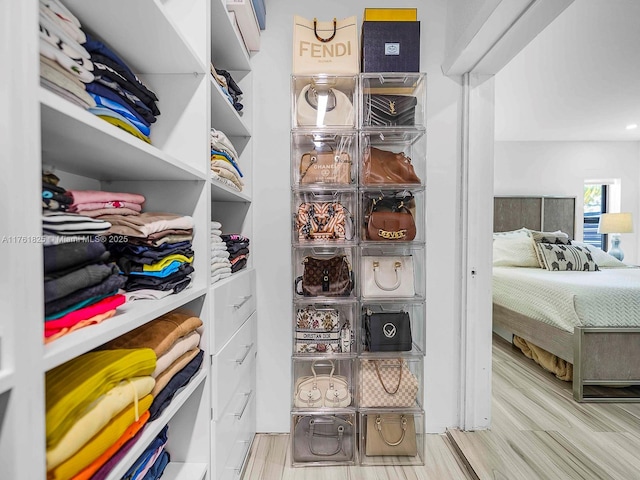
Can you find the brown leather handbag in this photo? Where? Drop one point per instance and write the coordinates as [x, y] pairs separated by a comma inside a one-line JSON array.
[[325, 167], [328, 277], [390, 218], [382, 166]]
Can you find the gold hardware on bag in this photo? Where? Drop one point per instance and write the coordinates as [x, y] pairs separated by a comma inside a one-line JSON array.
[[392, 235], [376, 264], [392, 107], [397, 265]]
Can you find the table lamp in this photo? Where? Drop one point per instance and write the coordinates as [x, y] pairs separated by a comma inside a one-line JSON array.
[[615, 224]]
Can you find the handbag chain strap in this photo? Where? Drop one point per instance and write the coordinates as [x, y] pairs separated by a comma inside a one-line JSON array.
[[403, 421], [393, 392]]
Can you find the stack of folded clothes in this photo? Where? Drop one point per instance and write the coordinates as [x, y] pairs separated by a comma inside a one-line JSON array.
[[238, 248], [95, 404], [224, 161], [53, 196], [94, 203], [228, 86], [174, 339], [65, 65], [220, 264], [80, 286], [157, 255], [121, 97], [151, 464]]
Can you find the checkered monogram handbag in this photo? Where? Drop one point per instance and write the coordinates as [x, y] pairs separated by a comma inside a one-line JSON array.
[[387, 383]]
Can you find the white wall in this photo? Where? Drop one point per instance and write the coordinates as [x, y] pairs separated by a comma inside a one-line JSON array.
[[560, 168], [271, 243]]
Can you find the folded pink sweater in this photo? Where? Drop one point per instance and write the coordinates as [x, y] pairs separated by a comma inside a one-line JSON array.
[[81, 207], [92, 196]]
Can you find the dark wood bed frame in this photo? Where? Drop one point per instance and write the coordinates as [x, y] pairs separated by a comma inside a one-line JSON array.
[[601, 356]]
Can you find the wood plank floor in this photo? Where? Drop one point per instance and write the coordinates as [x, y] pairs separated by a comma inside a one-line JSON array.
[[270, 460], [538, 432]]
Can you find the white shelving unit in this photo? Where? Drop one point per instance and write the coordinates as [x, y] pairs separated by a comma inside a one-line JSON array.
[[169, 45]]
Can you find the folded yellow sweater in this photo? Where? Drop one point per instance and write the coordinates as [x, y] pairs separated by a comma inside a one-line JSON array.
[[97, 415], [71, 387], [101, 441]]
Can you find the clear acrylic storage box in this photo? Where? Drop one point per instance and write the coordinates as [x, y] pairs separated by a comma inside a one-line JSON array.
[[391, 437], [323, 438], [324, 217], [388, 318], [324, 101], [324, 272], [392, 215], [323, 382], [393, 157], [326, 328], [391, 100], [392, 272], [326, 159], [390, 380]]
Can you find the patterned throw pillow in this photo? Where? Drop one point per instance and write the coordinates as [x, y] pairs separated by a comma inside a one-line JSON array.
[[566, 257], [559, 238]]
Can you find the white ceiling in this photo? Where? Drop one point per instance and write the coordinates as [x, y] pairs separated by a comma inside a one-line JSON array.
[[578, 80]]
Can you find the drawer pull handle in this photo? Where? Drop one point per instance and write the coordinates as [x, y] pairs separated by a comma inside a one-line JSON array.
[[244, 407], [246, 354], [239, 468], [245, 299]]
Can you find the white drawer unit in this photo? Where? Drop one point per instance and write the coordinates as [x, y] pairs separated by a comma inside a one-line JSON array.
[[234, 300], [234, 429], [232, 366]]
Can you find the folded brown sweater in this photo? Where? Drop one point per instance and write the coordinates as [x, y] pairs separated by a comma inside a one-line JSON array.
[[158, 335]]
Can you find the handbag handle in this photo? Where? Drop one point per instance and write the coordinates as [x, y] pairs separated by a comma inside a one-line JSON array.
[[403, 421], [375, 364], [396, 266], [339, 436], [315, 30], [329, 363], [298, 282]]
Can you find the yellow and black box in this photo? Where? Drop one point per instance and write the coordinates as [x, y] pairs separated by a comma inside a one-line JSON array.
[[390, 14], [390, 46]]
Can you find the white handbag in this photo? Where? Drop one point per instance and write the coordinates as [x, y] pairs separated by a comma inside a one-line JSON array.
[[387, 276], [322, 390], [323, 107]]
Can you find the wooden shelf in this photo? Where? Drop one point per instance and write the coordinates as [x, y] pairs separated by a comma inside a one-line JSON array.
[[227, 47], [152, 429], [223, 116], [140, 32], [185, 471], [223, 193], [131, 315], [77, 141]]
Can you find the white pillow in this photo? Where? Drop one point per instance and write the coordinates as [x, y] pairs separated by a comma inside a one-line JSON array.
[[522, 232], [602, 258], [514, 251]]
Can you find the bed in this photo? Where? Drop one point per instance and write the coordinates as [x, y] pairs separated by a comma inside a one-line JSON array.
[[589, 319]]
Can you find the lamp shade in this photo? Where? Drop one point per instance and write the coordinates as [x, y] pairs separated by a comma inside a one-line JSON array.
[[615, 223]]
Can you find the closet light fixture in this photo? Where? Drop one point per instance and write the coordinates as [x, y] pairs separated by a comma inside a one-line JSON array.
[[632, 126]]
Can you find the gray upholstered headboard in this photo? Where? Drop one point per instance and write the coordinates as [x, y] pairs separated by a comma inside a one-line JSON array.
[[543, 213]]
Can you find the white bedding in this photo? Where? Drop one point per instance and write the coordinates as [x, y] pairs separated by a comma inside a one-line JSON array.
[[607, 298]]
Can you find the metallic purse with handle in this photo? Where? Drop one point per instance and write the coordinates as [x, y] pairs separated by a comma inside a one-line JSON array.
[[322, 390], [319, 438], [391, 434]]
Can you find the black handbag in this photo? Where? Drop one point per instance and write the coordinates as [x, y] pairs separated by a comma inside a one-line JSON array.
[[388, 332], [390, 110], [321, 438]]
